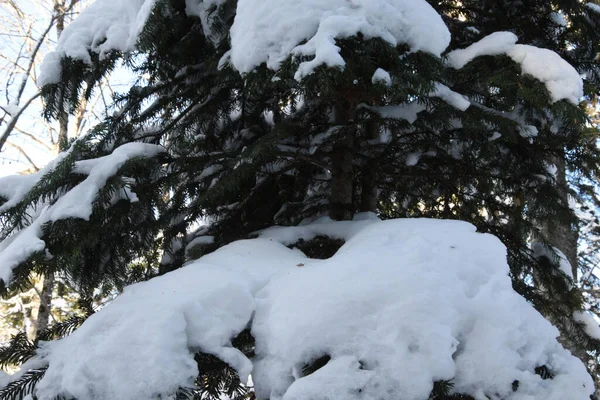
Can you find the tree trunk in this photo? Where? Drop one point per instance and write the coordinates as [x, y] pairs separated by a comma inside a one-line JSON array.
[[43, 317], [45, 309], [342, 177], [368, 194], [63, 117], [559, 232]]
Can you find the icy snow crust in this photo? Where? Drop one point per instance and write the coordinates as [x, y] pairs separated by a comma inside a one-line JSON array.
[[402, 304], [274, 29]]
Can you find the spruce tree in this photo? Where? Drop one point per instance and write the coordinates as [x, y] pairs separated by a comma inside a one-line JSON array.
[[203, 151]]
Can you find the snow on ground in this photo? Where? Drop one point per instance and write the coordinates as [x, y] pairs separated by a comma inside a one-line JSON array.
[[560, 78], [402, 304], [274, 29], [76, 203]]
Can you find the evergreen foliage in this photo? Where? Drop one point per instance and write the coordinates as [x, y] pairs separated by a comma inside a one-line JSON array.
[[244, 152]]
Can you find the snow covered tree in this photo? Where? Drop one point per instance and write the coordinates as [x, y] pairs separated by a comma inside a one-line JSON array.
[[254, 113]]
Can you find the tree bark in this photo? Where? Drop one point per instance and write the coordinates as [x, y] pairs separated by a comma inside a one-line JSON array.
[[368, 194], [43, 317], [63, 117], [342, 176], [45, 309], [560, 233]]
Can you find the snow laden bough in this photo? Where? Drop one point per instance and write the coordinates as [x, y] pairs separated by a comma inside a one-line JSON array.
[[401, 305]]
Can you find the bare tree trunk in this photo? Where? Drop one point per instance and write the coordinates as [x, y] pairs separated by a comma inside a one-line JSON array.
[[342, 178], [63, 117], [368, 194], [45, 309]]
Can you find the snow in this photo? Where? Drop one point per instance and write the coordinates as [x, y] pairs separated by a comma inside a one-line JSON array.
[[198, 241], [264, 31], [555, 255], [560, 78], [323, 226], [13, 188], [410, 111], [269, 31], [594, 7], [11, 109], [495, 136], [413, 158], [528, 131], [592, 327], [402, 304], [382, 76], [451, 97], [494, 44], [202, 8], [104, 26], [406, 111], [200, 307], [76, 203]]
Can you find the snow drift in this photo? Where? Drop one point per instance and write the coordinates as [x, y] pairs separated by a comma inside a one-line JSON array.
[[402, 304]]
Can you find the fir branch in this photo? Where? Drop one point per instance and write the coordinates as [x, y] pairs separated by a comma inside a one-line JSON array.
[[61, 329], [18, 350], [23, 386]]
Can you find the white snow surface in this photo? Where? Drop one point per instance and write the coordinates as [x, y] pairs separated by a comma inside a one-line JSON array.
[[451, 97], [592, 327], [560, 78], [406, 111], [269, 31], [202, 8], [76, 203], [492, 45], [382, 76], [104, 26], [402, 304], [14, 188], [593, 6]]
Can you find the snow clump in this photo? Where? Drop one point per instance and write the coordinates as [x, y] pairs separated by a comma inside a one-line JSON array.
[[401, 305]]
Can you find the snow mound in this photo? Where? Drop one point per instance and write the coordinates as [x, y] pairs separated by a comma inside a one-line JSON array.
[[560, 78], [269, 31], [104, 26], [402, 304]]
